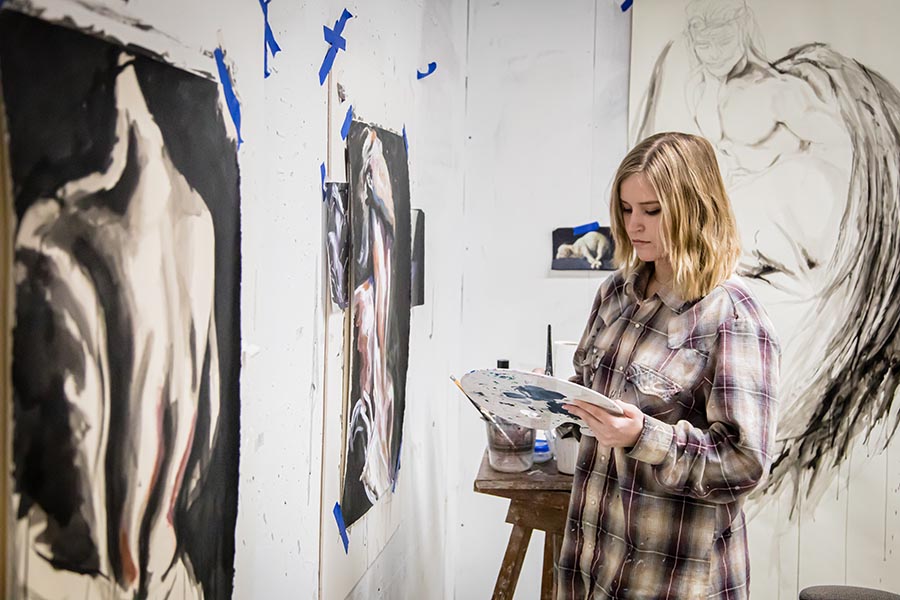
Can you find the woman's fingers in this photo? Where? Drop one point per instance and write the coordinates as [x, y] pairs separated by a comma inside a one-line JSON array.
[[610, 430]]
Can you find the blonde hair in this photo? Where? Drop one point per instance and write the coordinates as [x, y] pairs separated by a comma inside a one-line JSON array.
[[698, 232]]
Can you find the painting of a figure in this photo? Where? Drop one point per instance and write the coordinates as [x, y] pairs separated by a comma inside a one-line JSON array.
[[806, 133], [577, 250], [380, 304], [337, 241], [125, 364]]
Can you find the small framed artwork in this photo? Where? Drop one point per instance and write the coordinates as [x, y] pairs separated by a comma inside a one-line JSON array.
[[585, 248]]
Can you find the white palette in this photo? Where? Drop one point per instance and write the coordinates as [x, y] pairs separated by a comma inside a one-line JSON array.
[[530, 399]]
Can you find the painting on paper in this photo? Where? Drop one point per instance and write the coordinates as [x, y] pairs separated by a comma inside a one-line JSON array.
[[126, 338], [804, 115], [590, 249], [337, 241], [380, 304]]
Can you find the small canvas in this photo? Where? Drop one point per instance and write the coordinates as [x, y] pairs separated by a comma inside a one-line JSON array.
[[577, 251]]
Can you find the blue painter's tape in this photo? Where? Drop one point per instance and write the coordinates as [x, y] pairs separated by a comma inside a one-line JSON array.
[[405, 140], [345, 128], [336, 42], [431, 67], [322, 173], [626, 5], [339, 519], [234, 107], [582, 229], [269, 44]]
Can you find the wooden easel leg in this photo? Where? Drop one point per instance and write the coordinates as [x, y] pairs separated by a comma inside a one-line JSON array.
[[512, 563], [548, 576]]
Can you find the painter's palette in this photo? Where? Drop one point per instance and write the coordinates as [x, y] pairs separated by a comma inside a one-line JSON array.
[[530, 399]]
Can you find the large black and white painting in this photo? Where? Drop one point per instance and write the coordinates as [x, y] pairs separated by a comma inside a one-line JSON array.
[[126, 337], [803, 111], [380, 304]]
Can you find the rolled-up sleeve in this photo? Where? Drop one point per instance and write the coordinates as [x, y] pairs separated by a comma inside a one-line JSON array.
[[731, 456]]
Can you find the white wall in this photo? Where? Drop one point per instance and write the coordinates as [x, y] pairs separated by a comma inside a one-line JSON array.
[[398, 549], [545, 129], [285, 370]]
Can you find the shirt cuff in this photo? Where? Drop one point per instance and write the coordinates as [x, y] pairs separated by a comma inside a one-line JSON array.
[[653, 445]]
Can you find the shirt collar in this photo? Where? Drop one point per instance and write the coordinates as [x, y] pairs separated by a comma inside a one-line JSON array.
[[636, 283]]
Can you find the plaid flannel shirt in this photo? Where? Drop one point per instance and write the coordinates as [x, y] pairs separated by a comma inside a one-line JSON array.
[[664, 519]]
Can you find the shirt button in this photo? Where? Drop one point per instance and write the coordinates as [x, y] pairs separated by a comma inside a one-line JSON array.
[[637, 325], [621, 368]]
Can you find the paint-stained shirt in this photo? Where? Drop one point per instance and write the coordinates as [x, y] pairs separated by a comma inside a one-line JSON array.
[[664, 519]]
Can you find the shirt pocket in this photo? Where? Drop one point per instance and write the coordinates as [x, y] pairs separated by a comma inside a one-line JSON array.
[[664, 387]]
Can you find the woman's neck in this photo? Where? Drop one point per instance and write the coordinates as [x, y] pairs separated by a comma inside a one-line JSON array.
[[662, 272]]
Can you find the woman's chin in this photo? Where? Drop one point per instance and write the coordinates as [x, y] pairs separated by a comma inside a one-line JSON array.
[[646, 254]]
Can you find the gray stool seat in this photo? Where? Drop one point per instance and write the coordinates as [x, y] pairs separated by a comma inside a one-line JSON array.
[[844, 592]]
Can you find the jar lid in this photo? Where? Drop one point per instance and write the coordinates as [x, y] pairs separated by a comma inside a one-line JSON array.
[[541, 446]]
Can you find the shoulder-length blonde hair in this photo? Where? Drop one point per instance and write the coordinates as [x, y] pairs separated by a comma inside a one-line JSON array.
[[698, 230]]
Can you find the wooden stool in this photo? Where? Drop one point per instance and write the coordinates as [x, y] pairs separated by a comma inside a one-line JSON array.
[[538, 499]]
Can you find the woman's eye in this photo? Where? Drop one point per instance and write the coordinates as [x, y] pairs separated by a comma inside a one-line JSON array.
[[655, 211], [626, 210]]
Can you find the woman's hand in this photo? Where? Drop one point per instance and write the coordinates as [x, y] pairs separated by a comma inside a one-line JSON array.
[[610, 430]]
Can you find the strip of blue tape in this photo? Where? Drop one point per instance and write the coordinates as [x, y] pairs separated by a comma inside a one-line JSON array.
[[345, 128], [582, 229], [270, 44], [322, 173], [234, 107], [336, 42], [339, 519], [405, 140], [626, 5], [431, 67]]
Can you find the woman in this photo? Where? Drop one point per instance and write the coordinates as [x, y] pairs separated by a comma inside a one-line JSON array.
[[691, 357]]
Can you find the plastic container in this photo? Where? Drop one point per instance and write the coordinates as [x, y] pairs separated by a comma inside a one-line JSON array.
[[542, 451], [566, 454]]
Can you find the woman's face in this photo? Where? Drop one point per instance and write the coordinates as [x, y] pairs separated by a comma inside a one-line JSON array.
[[642, 215]]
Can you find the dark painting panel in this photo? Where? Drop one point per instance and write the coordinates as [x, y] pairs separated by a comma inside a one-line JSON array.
[[417, 290], [380, 303], [127, 333]]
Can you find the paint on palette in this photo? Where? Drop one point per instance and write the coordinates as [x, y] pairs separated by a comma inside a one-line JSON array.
[[538, 401]]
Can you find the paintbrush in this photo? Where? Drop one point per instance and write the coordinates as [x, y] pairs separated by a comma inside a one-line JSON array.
[[548, 370], [484, 414]]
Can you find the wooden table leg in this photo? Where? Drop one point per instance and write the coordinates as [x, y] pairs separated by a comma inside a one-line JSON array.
[[547, 578], [512, 563]]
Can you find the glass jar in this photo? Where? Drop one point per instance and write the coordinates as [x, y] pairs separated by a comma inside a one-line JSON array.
[[510, 446]]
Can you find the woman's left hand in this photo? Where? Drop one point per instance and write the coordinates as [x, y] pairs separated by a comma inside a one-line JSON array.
[[610, 430]]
